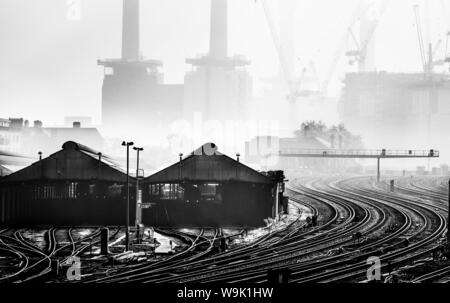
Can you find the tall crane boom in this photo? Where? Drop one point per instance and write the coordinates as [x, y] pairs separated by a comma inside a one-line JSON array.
[[284, 64], [360, 53], [420, 38]]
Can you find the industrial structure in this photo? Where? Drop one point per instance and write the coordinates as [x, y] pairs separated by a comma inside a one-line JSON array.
[[138, 83], [80, 186], [208, 188], [381, 105], [263, 151], [218, 87], [313, 155], [74, 186]]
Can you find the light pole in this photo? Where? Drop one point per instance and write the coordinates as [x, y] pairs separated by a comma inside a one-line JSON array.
[[137, 149], [127, 227]]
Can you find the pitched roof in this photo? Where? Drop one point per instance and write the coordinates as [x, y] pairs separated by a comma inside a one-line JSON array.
[[207, 164], [73, 162]]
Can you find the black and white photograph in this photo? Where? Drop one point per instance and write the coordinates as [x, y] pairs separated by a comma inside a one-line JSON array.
[[224, 149]]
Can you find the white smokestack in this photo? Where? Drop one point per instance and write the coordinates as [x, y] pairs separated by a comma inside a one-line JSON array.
[[130, 30], [218, 43]]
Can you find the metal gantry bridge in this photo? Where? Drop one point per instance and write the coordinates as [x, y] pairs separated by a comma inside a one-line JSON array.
[[359, 153]]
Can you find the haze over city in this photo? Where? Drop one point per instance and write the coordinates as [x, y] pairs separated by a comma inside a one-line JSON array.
[[49, 60]]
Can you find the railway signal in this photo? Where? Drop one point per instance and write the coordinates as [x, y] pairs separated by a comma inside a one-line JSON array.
[[138, 199]]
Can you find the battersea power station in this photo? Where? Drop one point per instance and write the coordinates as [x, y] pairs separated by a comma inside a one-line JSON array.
[[78, 185], [134, 95]]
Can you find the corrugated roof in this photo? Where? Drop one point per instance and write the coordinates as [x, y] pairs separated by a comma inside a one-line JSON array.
[[205, 164], [73, 162]]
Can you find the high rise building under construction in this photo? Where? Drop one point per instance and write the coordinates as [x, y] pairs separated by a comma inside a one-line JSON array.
[[397, 108]]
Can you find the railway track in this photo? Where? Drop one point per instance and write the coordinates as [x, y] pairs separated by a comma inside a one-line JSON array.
[[260, 258], [142, 274], [395, 257], [261, 274], [433, 276], [391, 242], [358, 219], [36, 262]]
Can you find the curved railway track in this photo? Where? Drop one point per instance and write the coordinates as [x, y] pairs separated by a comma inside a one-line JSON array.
[[286, 248], [36, 262], [421, 223], [159, 270], [358, 219], [396, 257]]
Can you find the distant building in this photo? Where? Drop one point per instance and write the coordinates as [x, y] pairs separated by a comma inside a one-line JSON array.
[[85, 121], [134, 96], [20, 137], [444, 169], [262, 151], [397, 110], [10, 136], [219, 87]]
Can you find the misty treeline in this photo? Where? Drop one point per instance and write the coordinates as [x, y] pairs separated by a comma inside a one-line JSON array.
[[338, 135]]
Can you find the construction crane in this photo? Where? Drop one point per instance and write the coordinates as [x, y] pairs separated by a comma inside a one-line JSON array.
[[360, 52], [445, 16], [341, 46], [284, 64], [427, 56], [357, 55]]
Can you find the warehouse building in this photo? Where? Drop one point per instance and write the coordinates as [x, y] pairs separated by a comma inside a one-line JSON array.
[[78, 186], [74, 186], [207, 189]]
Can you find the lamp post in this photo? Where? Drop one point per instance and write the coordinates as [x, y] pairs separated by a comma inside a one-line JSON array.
[[137, 149], [127, 227]]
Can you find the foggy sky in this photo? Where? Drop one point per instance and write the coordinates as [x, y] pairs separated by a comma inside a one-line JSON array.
[[48, 63]]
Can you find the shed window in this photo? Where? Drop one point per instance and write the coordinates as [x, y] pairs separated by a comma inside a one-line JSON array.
[[211, 192], [44, 192], [114, 190], [167, 191], [92, 189], [154, 189], [72, 190]]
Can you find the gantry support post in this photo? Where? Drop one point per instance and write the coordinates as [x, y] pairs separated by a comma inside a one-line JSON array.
[[276, 201], [448, 216], [378, 169]]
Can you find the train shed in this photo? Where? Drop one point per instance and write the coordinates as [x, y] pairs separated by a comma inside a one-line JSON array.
[[74, 186], [209, 189]]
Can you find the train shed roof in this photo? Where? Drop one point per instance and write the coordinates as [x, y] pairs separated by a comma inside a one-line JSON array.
[[73, 162], [207, 164]]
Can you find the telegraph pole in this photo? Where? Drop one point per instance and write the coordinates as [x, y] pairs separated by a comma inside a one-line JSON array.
[[127, 221]]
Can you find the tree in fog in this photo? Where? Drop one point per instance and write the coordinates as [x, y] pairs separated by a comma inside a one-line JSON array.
[[338, 135]]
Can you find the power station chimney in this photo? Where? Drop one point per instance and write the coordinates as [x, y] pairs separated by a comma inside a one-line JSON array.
[[130, 30], [218, 42]]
